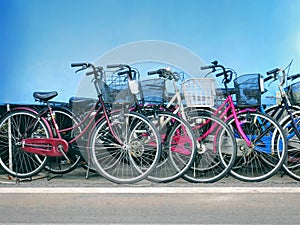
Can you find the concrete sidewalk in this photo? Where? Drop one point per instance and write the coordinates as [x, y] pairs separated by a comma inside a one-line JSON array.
[[77, 178]]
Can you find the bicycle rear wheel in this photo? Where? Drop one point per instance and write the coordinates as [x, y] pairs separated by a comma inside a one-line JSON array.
[[292, 163], [61, 165], [179, 147], [131, 153], [268, 149], [216, 148], [15, 126]]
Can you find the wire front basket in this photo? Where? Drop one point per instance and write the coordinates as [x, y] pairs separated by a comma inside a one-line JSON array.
[[293, 93], [115, 89], [153, 90], [199, 92], [248, 89]]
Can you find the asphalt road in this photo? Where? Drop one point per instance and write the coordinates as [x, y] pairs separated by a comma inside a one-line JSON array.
[[159, 208], [73, 199]]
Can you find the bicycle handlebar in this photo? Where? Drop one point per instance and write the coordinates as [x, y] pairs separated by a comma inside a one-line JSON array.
[[268, 78], [80, 64], [159, 72], [123, 72], [116, 66], [165, 73], [274, 71], [122, 66], [273, 75], [293, 77], [206, 67], [84, 66], [226, 73], [152, 72]]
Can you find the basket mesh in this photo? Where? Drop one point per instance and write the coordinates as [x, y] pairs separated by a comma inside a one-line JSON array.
[[293, 93], [199, 92], [153, 90], [115, 89], [248, 90]]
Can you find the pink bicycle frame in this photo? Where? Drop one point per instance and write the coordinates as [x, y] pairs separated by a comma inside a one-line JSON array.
[[221, 113]]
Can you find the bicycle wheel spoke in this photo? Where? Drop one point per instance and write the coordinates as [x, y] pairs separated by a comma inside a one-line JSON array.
[[267, 152], [216, 149], [131, 160], [15, 126]]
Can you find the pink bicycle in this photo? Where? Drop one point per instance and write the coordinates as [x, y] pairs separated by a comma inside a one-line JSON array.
[[261, 141]]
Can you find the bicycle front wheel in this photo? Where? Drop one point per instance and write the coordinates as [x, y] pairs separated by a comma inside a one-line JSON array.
[[216, 148], [268, 149], [279, 113], [179, 147], [15, 126], [125, 149]]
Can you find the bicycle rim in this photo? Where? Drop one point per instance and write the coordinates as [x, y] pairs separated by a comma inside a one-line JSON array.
[[135, 157], [292, 162], [179, 147], [216, 149], [13, 128], [268, 151]]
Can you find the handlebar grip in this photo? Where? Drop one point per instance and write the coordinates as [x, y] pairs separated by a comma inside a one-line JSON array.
[[219, 74], [273, 71], [152, 72], [159, 72], [115, 66], [79, 64], [206, 67], [123, 72], [268, 78], [293, 77]]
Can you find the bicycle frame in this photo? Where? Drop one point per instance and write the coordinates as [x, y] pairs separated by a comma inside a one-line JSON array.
[[218, 112], [228, 105], [56, 146]]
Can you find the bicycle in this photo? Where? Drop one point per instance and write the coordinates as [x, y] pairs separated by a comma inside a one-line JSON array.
[[178, 140], [290, 122], [211, 163], [261, 141], [123, 147]]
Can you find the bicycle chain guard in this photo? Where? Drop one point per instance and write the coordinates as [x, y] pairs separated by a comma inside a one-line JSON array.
[[45, 146]]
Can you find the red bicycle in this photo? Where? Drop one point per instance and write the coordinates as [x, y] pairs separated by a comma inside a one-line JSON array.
[[124, 147]]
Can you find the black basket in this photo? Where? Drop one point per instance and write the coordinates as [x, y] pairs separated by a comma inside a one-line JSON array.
[[248, 90], [115, 89], [153, 90], [293, 93]]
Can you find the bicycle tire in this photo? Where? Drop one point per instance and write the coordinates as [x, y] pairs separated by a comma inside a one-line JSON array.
[[216, 148], [292, 164], [60, 165], [273, 110], [268, 151], [13, 159], [135, 157], [179, 147]]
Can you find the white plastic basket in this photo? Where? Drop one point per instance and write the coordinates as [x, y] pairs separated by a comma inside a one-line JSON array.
[[199, 92]]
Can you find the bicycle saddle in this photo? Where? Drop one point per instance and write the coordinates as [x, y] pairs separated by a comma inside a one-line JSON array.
[[44, 96]]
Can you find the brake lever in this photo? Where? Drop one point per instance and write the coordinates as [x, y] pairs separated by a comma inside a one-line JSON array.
[[210, 72], [272, 81], [82, 68]]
